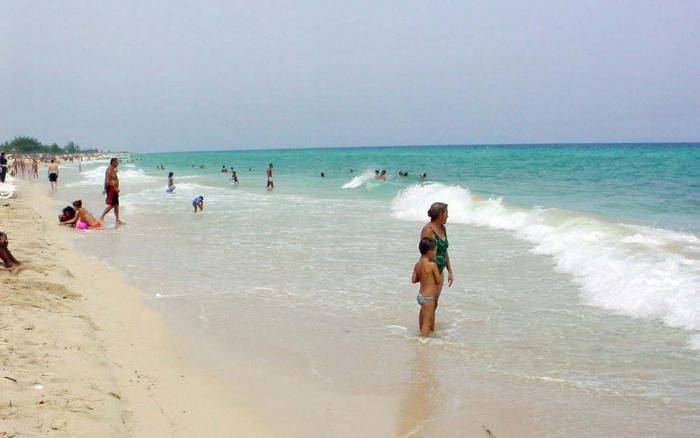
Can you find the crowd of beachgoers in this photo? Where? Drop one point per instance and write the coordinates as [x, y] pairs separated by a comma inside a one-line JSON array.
[[432, 246]]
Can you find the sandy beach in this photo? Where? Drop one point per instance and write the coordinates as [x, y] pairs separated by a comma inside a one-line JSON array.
[[82, 355]]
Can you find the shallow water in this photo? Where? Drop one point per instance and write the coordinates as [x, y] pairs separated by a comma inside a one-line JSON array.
[[576, 300]]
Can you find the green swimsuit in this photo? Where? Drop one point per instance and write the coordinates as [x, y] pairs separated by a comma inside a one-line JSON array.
[[442, 245]]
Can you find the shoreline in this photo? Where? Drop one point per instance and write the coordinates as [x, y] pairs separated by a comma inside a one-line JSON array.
[[81, 353]]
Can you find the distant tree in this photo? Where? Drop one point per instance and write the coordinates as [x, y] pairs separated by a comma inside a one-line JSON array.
[[28, 145], [25, 145]]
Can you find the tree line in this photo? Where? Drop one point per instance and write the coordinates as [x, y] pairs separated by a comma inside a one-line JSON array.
[[29, 145]]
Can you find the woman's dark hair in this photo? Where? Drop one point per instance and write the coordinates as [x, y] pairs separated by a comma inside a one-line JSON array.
[[170, 175], [426, 245], [113, 160], [78, 204], [436, 210]]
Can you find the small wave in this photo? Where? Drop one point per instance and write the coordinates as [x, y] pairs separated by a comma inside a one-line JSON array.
[[96, 176], [359, 180], [634, 270]]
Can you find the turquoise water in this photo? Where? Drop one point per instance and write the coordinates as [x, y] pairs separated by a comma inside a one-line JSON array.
[[577, 278], [645, 183]]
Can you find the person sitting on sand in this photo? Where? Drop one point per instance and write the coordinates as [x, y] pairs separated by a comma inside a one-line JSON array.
[[427, 273], [82, 214], [198, 202], [11, 263], [68, 213]]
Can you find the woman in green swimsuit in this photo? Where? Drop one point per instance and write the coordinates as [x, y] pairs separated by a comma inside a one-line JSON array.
[[435, 229]]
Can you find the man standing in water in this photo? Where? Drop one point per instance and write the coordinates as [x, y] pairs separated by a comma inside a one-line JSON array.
[[112, 190], [270, 184]]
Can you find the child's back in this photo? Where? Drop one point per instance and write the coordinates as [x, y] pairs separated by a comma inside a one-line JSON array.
[[427, 273]]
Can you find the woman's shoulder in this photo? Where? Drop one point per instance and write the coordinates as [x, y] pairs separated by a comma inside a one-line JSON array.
[[427, 230]]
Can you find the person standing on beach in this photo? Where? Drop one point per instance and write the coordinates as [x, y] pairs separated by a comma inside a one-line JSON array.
[[112, 190], [435, 229], [35, 168], [3, 167], [270, 183], [53, 174]]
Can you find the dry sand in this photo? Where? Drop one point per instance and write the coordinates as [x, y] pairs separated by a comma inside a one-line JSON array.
[[82, 355]]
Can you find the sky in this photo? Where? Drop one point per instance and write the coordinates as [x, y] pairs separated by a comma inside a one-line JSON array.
[[206, 75]]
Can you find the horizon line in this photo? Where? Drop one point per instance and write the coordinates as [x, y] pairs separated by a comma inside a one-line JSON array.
[[277, 148]]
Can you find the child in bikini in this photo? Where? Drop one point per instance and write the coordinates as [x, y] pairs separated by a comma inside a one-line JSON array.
[[82, 214], [427, 273]]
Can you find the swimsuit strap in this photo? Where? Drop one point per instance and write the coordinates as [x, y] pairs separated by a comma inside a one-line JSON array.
[[437, 236]]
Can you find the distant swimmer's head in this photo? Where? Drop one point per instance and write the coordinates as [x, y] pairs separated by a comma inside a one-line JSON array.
[[426, 246], [437, 210], [78, 204]]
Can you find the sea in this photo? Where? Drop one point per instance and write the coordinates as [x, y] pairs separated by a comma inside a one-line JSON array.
[[575, 307]]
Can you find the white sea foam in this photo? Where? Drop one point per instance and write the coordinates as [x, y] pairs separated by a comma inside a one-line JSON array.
[[634, 270], [96, 177], [359, 180]]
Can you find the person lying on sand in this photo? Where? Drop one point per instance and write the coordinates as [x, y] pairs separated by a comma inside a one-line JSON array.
[[84, 216], [67, 214], [11, 263]]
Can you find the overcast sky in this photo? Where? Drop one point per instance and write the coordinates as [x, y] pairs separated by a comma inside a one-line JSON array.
[[174, 75]]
